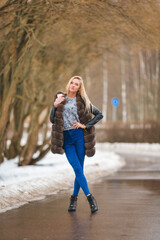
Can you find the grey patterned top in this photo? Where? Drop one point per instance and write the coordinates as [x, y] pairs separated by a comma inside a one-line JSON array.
[[96, 112], [70, 113]]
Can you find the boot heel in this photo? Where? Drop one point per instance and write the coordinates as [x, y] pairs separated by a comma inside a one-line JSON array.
[[92, 203], [73, 204]]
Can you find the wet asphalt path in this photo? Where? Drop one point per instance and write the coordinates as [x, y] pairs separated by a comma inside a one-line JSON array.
[[129, 209]]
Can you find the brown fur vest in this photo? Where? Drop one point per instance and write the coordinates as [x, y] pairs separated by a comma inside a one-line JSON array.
[[57, 128]]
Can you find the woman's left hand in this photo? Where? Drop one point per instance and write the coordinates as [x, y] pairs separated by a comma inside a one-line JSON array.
[[77, 125]]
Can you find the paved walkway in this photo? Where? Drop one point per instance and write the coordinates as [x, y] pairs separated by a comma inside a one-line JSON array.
[[129, 203]]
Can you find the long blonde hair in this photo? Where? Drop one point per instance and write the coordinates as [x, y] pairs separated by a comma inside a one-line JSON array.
[[82, 92]]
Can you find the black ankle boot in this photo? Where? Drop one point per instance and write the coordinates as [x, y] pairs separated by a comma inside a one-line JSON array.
[[73, 203], [92, 203]]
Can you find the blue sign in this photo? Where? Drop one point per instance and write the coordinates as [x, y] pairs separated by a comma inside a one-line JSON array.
[[115, 102]]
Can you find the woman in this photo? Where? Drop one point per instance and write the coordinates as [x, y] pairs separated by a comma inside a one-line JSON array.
[[73, 132]]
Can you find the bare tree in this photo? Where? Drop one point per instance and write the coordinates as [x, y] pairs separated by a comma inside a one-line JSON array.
[[43, 43]]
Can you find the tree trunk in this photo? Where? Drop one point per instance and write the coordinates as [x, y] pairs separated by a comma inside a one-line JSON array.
[[30, 147], [4, 118], [88, 79], [123, 88], [158, 90], [105, 89], [142, 88]]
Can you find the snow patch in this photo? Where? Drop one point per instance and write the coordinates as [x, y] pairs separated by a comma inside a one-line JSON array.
[[20, 185], [139, 148]]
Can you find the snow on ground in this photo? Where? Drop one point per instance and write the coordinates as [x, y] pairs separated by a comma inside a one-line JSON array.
[[139, 148], [20, 185]]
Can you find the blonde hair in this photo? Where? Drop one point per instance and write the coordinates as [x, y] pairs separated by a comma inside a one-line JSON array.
[[82, 92]]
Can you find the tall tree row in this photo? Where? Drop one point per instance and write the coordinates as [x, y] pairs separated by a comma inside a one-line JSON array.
[[133, 77], [44, 43]]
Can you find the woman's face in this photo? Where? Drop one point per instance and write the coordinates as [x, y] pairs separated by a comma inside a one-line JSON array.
[[74, 85]]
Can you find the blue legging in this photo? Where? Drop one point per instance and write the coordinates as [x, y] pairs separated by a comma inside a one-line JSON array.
[[75, 152]]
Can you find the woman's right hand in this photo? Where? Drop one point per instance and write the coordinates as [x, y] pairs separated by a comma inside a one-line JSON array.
[[58, 100]]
